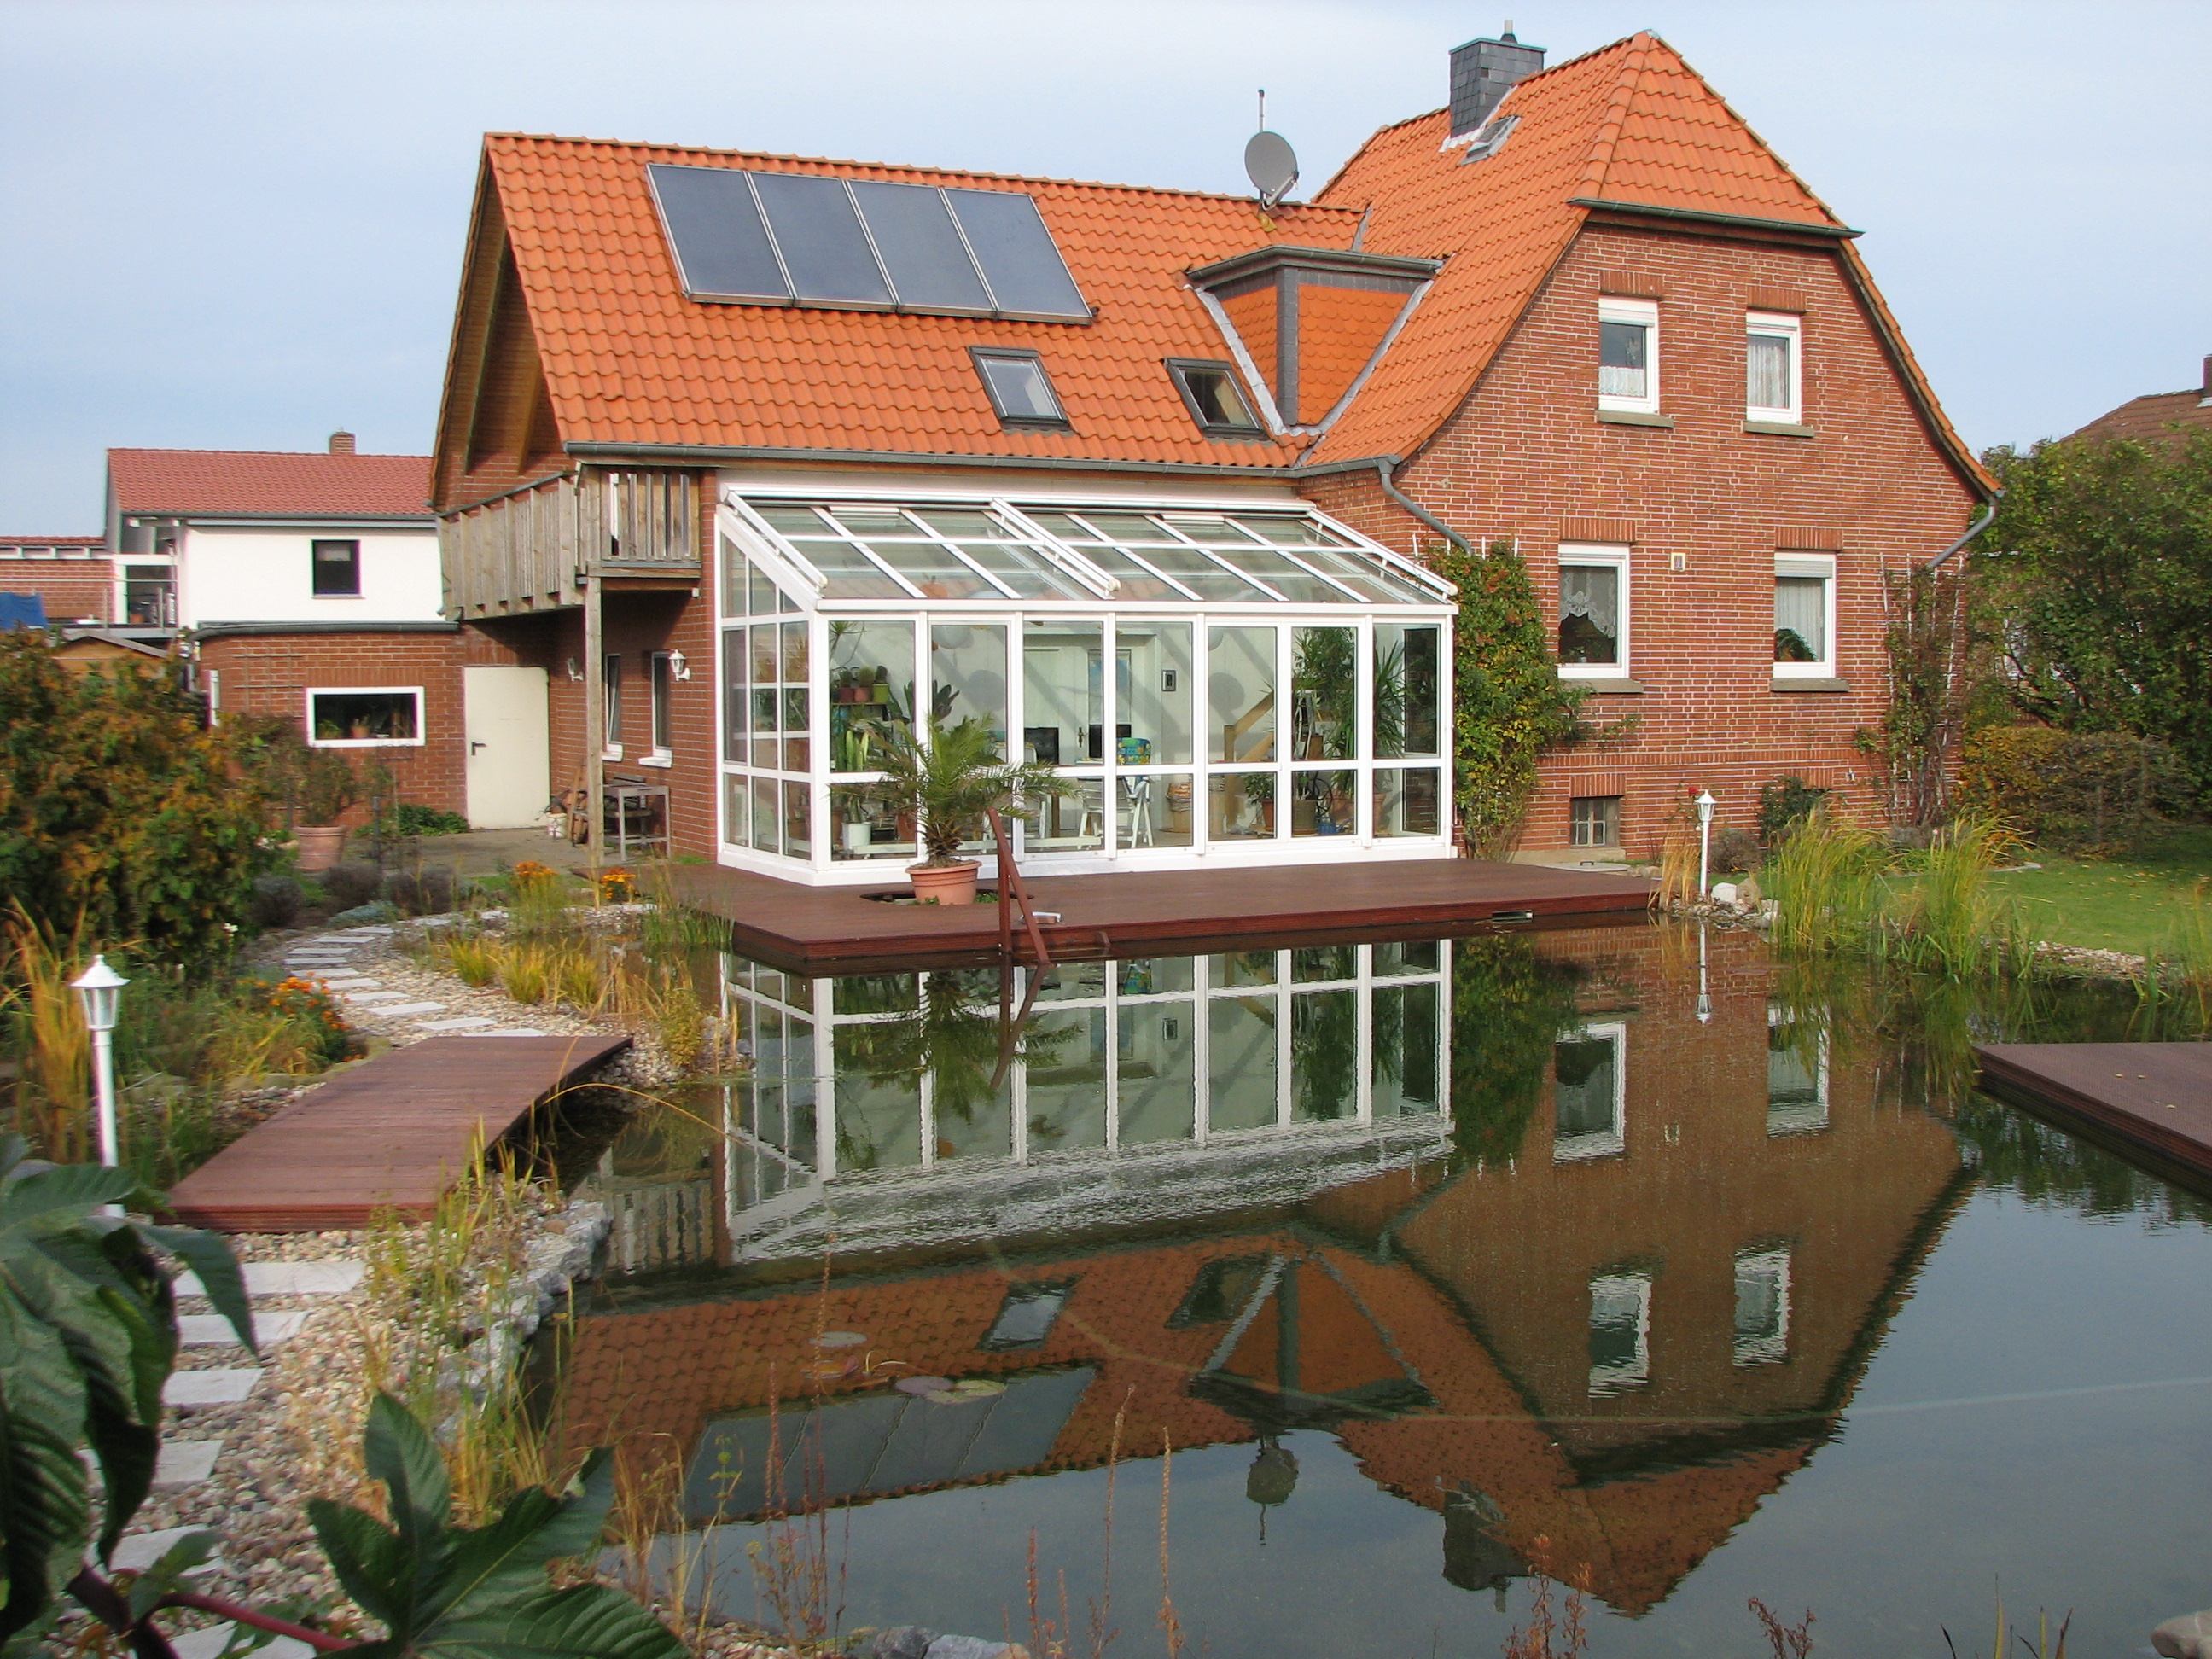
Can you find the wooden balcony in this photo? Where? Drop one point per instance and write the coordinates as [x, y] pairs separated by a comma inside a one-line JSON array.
[[538, 548]]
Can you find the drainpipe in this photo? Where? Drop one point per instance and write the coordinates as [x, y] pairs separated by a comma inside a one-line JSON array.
[[1384, 466], [1989, 512]]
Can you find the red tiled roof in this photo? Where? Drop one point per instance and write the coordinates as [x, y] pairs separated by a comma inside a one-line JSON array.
[[2151, 419], [52, 541], [311, 484]]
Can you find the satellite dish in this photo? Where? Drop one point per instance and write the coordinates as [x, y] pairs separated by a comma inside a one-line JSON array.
[[1272, 166]]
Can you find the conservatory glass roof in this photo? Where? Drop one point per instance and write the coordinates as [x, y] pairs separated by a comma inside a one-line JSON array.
[[998, 551]]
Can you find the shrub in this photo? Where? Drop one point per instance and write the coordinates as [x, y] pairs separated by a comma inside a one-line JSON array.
[[2067, 789], [1734, 851], [407, 820], [355, 882], [428, 892], [1783, 804], [276, 902]]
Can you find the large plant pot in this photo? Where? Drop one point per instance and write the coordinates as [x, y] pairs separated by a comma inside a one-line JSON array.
[[945, 884], [320, 847]]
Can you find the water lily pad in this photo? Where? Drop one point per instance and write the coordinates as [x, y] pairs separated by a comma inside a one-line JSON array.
[[976, 1387], [923, 1385]]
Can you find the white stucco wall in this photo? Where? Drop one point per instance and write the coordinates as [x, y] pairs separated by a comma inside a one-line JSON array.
[[265, 575]]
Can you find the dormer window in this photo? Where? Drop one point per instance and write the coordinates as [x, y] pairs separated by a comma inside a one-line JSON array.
[[1214, 399], [1020, 390]]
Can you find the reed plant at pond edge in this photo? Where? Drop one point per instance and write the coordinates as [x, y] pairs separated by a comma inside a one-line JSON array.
[[1946, 916], [1827, 876]]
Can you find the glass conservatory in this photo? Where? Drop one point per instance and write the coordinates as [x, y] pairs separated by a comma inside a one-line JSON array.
[[1240, 683]]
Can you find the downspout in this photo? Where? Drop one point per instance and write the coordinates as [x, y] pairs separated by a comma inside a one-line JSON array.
[[1385, 466], [1988, 514]]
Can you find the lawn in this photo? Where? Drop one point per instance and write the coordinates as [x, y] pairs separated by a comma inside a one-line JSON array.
[[2130, 903]]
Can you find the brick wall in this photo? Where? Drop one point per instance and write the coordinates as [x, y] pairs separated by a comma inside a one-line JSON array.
[[1527, 457], [270, 674], [71, 587]]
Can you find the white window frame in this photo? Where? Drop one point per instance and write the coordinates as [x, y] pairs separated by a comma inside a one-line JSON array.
[[1771, 1262], [659, 694], [1646, 313], [308, 712], [1823, 567], [1799, 1120], [1588, 554], [1626, 1283], [1598, 1143], [1776, 325]]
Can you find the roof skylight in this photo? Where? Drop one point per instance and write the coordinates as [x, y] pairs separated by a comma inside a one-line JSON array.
[[811, 238], [1020, 390]]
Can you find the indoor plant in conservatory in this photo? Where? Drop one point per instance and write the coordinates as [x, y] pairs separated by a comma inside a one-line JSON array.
[[950, 781]]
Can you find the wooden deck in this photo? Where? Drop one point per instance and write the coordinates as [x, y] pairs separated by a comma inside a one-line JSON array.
[[2152, 1099], [390, 1133], [821, 929]]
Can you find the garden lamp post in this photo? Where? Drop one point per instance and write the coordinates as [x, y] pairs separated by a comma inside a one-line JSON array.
[[1705, 805], [100, 989]]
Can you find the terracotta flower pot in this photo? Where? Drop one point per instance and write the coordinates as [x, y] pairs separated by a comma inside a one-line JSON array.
[[945, 884], [320, 847]]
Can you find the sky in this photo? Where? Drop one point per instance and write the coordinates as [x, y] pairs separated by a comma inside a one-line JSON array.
[[239, 225]]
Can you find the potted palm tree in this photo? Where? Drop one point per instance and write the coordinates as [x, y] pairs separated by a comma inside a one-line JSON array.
[[949, 784]]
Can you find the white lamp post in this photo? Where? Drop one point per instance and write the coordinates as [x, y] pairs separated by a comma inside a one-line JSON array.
[[101, 990], [1705, 805]]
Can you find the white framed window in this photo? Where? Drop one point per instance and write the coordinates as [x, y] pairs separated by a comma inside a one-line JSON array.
[[1628, 355], [1590, 1094], [364, 716], [1804, 617], [611, 706], [1593, 632], [660, 681], [1593, 821], [1762, 1306], [1797, 1074], [1619, 1331], [1772, 387]]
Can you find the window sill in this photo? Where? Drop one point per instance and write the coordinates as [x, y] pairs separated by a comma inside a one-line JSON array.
[[1778, 429], [612, 752], [1608, 688], [1782, 684], [658, 757], [338, 596], [1634, 417]]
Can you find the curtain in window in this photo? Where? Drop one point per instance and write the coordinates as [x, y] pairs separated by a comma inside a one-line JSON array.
[[1623, 358], [1801, 619], [1590, 614], [1766, 371]]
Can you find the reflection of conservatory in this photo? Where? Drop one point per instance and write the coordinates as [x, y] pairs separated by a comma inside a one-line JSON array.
[[1277, 692]]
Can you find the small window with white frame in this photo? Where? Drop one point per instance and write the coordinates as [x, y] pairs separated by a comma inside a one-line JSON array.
[[1628, 355], [1804, 617], [1620, 1330], [1593, 632], [1590, 1094], [364, 716], [1762, 1306], [1773, 386], [1594, 820], [660, 681]]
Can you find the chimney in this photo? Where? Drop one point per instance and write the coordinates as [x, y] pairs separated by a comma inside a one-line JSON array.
[[2205, 392], [342, 443], [1483, 71]]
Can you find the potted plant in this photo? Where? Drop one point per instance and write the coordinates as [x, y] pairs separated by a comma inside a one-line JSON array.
[[948, 785], [328, 788]]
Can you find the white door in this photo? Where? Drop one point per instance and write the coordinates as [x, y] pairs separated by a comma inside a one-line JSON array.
[[509, 768]]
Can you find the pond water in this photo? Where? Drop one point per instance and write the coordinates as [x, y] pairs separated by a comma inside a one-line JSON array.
[[1406, 1269]]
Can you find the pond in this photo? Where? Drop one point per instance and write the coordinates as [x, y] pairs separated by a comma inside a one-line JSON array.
[[1384, 1276]]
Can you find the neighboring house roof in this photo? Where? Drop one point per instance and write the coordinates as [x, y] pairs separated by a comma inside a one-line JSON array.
[[19, 545], [2151, 419], [269, 483], [573, 313]]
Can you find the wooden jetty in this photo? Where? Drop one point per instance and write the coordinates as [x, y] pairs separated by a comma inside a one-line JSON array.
[[804, 929], [392, 1133], [2141, 1097]]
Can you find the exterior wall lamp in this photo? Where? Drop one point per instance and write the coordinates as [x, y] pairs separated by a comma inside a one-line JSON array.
[[100, 989], [679, 666]]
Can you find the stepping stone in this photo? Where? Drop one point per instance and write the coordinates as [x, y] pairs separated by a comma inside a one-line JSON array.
[[213, 1330], [349, 982], [307, 958], [137, 1551], [332, 1278], [400, 1009], [185, 1463], [377, 932], [210, 1642], [466, 1023], [218, 1387], [377, 996]]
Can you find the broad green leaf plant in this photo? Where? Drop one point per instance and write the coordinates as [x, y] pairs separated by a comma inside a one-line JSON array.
[[88, 1336]]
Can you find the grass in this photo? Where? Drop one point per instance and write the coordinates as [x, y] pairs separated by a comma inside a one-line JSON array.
[[2131, 903]]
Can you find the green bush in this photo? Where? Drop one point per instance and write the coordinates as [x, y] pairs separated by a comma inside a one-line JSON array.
[[1784, 804], [2072, 789], [407, 820]]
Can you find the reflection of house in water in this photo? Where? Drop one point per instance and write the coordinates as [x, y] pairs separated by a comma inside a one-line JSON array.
[[1619, 1340]]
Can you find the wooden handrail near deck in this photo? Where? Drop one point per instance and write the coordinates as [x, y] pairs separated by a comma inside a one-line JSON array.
[[1011, 886]]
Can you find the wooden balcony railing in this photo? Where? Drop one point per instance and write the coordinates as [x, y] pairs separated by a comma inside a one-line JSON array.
[[533, 548]]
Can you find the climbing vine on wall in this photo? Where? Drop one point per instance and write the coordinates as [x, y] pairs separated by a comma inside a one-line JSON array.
[[1509, 702]]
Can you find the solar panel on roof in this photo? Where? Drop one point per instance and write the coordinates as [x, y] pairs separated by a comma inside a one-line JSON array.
[[1019, 259], [920, 246], [819, 234], [722, 247]]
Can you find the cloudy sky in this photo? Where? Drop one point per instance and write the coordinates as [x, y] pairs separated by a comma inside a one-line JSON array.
[[239, 225]]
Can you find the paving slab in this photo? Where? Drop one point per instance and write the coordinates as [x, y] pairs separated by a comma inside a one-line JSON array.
[[185, 1463], [354, 982], [401, 1010], [332, 1278], [463, 1023], [226, 1387], [213, 1330], [135, 1551], [377, 932], [371, 998]]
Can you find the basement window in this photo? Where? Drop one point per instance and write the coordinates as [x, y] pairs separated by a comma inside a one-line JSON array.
[[364, 717], [1020, 390], [1596, 820], [1210, 392]]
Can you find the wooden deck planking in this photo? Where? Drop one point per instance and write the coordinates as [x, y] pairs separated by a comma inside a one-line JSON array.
[[803, 928], [2152, 1097], [391, 1133]]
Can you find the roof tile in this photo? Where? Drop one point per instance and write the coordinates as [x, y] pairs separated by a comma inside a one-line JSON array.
[[311, 484]]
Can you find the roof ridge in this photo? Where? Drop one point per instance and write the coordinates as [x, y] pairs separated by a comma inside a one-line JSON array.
[[303, 454], [1626, 87], [906, 166]]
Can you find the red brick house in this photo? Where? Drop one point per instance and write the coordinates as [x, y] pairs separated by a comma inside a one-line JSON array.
[[72, 575], [760, 457]]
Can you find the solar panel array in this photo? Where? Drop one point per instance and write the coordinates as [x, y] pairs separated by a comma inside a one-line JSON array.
[[786, 238]]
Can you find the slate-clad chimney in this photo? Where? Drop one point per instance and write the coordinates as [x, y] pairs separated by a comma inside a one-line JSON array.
[[1483, 71], [341, 443]]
